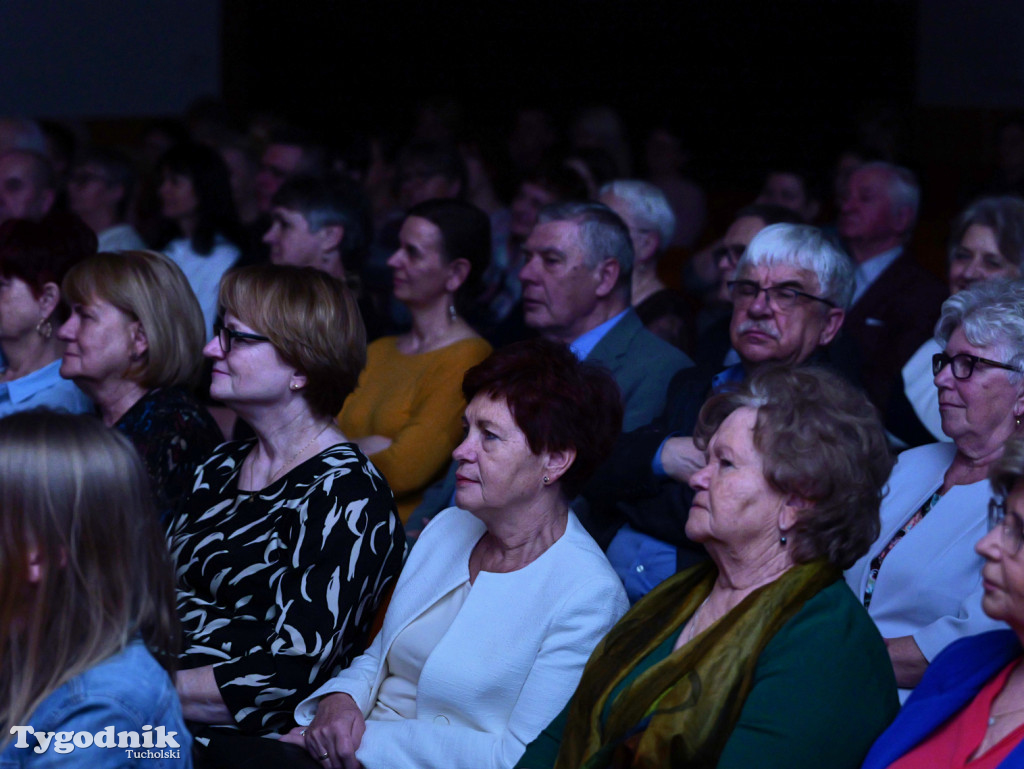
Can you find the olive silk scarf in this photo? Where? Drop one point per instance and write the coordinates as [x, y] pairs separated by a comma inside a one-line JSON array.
[[681, 711]]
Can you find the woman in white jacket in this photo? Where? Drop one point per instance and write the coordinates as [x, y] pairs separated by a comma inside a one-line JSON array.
[[498, 608]]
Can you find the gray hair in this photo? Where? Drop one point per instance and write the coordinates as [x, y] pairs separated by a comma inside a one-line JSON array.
[[602, 233], [1004, 216], [991, 314], [1008, 470], [904, 191], [647, 204], [805, 247]]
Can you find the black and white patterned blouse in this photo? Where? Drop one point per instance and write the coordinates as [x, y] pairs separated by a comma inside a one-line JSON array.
[[277, 588]]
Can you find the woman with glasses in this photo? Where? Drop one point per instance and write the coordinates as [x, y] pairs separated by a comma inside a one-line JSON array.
[[133, 344], [920, 581], [987, 243], [288, 541], [969, 707]]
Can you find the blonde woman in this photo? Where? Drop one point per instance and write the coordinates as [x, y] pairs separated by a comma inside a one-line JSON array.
[[87, 624]]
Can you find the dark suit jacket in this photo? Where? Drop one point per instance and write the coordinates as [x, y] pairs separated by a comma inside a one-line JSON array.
[[890, 321]]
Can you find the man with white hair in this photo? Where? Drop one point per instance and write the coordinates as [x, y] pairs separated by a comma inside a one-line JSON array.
[[790, 296], [648, 215], [895, 302]]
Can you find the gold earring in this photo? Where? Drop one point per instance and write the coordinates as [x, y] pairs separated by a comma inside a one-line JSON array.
[[45, 329]]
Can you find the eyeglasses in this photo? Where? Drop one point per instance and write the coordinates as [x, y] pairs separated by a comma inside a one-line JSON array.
[[225, 335], [1012, 527], [782, 298], [963, 364], [731, 253]]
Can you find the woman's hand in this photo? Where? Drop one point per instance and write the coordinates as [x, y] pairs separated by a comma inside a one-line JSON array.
[[373, 444], [335, 734], [908, 662], [681, 458], [200, 696]]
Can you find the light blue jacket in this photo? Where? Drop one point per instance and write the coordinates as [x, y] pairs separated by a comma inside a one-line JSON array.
[[125, 693]]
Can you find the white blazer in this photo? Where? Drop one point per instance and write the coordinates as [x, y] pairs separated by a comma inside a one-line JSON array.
[[929, 586], [507, 665]]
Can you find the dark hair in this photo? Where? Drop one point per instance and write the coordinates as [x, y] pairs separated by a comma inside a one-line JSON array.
[[314, 154], [465, 234], [42, 252], [118, 170], [557, 401], [770, 214], [440, 158], [332, 201], [820, 439], [210, 178], [563, 182]]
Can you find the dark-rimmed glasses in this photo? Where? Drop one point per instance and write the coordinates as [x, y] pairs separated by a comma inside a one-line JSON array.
[[963, 364], [225, 335], [782, 298], [1011, 526]]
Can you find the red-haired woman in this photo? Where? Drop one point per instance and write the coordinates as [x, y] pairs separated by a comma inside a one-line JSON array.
[[505, 595]]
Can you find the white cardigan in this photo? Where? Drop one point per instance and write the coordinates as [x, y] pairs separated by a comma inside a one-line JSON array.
[[929, 586], [507, 665]]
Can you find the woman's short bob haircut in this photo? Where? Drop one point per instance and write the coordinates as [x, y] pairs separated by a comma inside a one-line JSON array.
[[991, 314], [312, 320], [149, 288], [42, 252], [1008, 470], [558, 402], [1004, 216], [84, 568], [465, 234], [820, 439]]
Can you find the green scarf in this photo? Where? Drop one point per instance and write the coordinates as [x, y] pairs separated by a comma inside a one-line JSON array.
[[681, 711]]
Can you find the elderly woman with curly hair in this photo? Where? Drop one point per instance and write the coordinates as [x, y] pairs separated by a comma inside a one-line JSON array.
[[504, 596], [762, 657]]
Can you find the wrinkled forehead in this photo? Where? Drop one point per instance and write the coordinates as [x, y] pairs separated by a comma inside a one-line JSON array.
[[775, 271]]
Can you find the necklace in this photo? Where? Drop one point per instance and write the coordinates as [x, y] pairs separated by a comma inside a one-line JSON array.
[[280, 471], [992, 717]]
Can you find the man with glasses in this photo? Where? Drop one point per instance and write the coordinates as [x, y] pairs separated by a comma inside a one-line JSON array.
[[790, 295], [100, 190]]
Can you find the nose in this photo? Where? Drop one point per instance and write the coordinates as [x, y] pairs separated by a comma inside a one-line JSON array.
[[945, 376], [528, 272], [759, 305], [974, 270], [699, 479], [394, 260], [989, 545], [213, 349], [66, 332], [463, 451], [270, 236]]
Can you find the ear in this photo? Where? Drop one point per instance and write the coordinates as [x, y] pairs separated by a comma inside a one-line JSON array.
[[901, 220], [1018, 405], [833, 322], [794, 507], [648, 244], [557, 463], [607, 277], [298, 381], [331, 237], [140, 343], [49, 298], [458, 271]]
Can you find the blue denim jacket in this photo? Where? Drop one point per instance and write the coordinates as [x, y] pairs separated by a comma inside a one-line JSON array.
[[125, 693]]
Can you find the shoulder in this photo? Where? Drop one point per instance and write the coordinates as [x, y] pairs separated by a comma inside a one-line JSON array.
[[578, 571], [933, 456], [637, 340], [466, 352]]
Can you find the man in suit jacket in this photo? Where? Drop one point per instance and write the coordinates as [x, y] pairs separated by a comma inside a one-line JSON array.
[[895, 303], [642, 488], [576, 288]]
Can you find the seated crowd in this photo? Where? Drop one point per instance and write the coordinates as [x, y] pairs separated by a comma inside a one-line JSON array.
[[321, 456]]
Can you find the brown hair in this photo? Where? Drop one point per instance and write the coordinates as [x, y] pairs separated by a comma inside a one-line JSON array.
[[311, 318], [75, 502], [149, 288], [822, 440]]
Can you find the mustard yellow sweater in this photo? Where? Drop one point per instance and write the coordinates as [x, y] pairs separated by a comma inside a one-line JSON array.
[[416, 401]]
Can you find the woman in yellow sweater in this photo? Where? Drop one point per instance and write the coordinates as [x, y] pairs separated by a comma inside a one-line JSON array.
[[406, 412]]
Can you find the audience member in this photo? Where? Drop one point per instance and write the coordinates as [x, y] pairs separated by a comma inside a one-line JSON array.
[[88, 632], [196, 198], [132, 343], [646, 212], [34, 257], [290, 152], [287, 542], [27, 185], [987, 243], [428, 170], [895, 302], [405, 412], [100, 191], [504, 597], [921, 580], [243, 164], [666, 160], [762, 657], [966, 710], [793, 188], [790, 295]]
